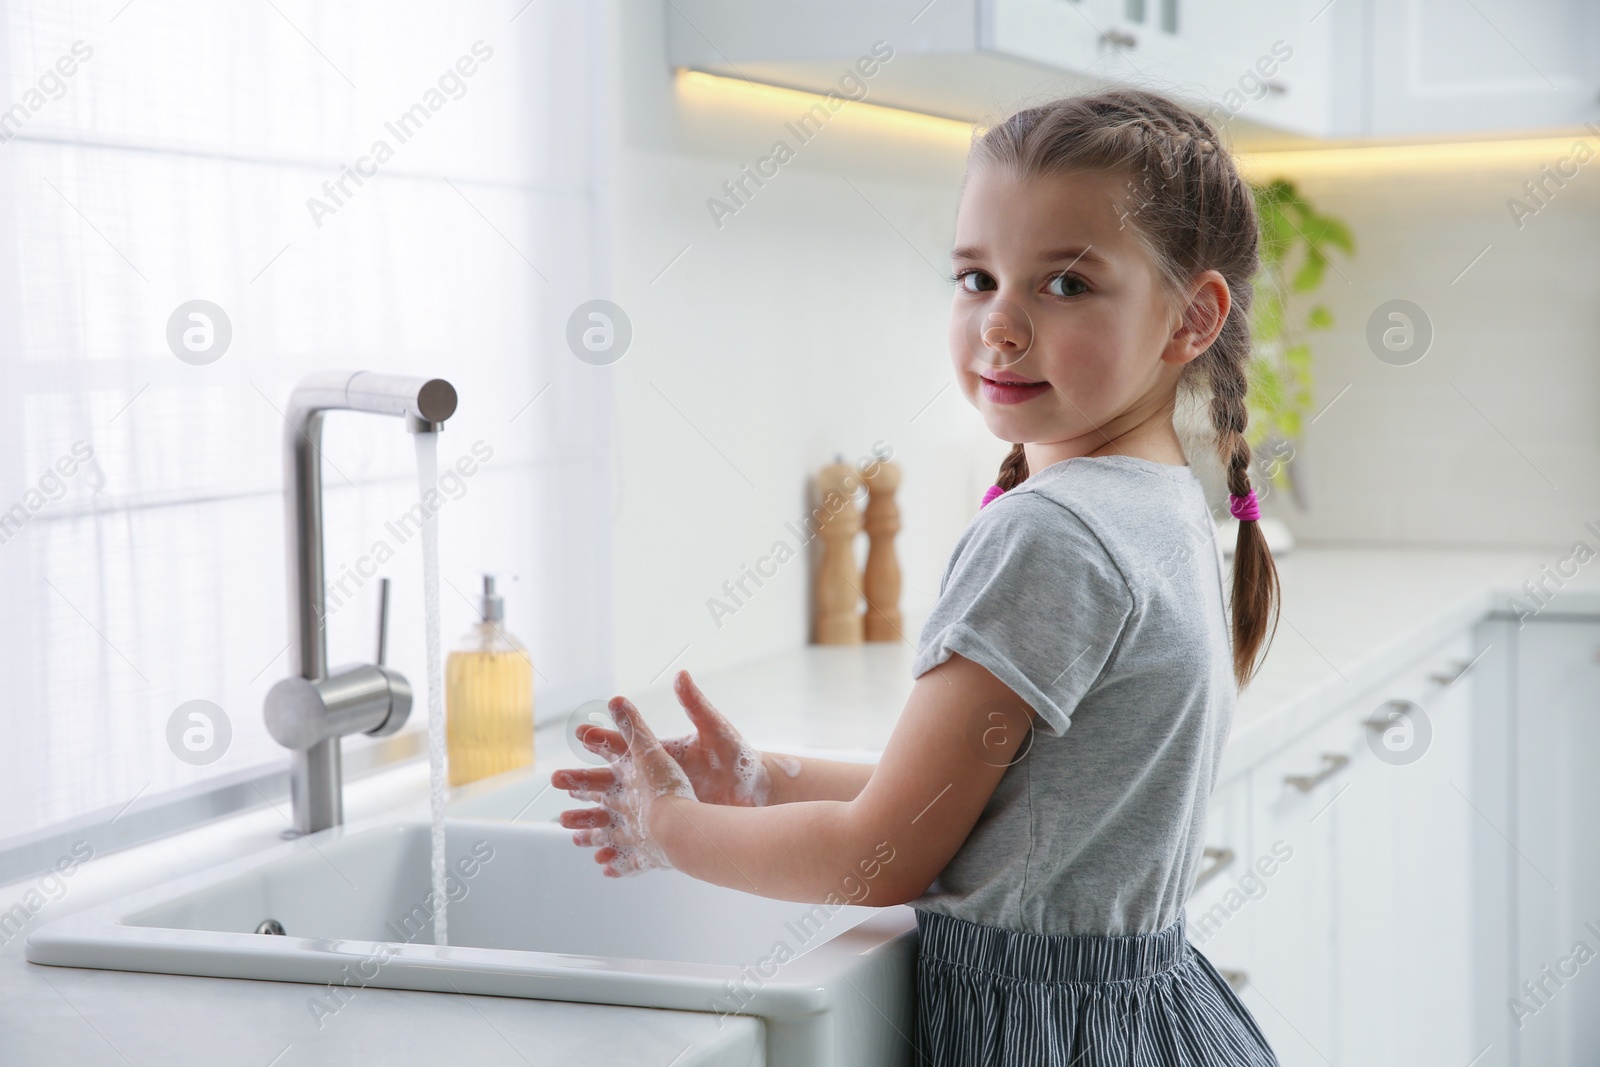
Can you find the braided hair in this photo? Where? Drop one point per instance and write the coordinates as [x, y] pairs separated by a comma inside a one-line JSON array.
[[1189, 209]]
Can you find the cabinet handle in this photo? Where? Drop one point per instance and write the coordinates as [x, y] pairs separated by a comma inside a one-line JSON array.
[[1118, 39], [1307, 782], [1237, 979], [1461, 667], [1220, 858]]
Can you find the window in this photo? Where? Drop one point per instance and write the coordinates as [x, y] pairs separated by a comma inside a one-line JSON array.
[[404, 187]]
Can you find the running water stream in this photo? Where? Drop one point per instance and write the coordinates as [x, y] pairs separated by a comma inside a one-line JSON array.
[[427, 485]]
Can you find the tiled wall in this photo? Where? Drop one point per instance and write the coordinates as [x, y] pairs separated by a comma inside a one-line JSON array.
[[1493, 437]]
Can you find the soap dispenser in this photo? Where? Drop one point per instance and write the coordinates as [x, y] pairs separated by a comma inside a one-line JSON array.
[[488, 697]]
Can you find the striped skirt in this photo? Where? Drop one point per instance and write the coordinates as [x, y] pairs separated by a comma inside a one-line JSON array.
[[988, 996]]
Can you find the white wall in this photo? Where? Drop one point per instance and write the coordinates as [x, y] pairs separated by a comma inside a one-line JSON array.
[[812, 322], [1491, 438]]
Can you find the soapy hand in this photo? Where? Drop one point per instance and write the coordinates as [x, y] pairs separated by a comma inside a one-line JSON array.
[[721, 765], [641, 773]]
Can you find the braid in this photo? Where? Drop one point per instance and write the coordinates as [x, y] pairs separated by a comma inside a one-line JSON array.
[[1013, 469], [1192, 212]]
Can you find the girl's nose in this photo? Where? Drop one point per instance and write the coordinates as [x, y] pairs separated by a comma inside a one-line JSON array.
[[1003, 332]]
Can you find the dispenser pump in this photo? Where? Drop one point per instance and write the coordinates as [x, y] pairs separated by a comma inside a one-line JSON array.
[[493, 607]]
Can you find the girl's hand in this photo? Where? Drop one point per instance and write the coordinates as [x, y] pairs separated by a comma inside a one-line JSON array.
[[721, 765], [642, 772]]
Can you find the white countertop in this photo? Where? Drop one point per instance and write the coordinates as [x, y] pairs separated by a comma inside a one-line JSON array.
[[1350, 617]]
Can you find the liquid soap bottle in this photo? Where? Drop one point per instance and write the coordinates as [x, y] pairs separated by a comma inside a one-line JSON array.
[[488, 697]]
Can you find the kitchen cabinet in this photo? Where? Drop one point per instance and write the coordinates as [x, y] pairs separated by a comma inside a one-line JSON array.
[[1441, 66], [1556, 748], [1348, 913], [1230, 880], [1313, 68], [1403, 841], [978, 60], [1292, 986]]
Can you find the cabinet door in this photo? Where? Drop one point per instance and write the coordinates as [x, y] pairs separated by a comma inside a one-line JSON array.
[[1218, 910], [1558, 874], [1442, 66], [1292, 989], [1404, 919]]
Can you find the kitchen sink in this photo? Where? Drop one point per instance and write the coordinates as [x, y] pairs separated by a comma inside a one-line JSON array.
[[530, 915]]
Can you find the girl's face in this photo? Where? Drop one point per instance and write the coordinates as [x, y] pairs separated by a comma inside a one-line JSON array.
[[1053, 288]]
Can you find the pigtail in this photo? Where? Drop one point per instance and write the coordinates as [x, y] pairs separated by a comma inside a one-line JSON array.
[[1013, 469], [1255, 594]]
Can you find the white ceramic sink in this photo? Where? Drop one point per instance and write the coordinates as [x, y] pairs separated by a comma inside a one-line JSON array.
[[530, 916]]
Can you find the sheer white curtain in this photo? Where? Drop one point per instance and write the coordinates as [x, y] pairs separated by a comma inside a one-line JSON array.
[[406, 187]]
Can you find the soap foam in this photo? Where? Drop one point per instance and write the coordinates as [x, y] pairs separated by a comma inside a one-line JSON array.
[[627, 802], [754, 784]]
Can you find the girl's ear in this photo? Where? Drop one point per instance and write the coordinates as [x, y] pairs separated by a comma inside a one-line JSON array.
[[1203, 316]]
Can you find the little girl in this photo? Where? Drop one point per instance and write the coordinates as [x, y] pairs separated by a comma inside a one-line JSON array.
[[1041, 799]]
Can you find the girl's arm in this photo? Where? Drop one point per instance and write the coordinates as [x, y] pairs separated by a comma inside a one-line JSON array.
[[960, 729], [710, 756], [818, 779]]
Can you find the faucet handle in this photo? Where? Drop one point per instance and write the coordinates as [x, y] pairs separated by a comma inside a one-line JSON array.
[[360, 698], [383, 620]]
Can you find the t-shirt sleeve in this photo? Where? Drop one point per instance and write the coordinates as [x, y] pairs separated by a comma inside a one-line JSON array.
[[1033, 595]]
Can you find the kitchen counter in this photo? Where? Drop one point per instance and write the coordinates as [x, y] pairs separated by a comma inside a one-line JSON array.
[[1350, 618]]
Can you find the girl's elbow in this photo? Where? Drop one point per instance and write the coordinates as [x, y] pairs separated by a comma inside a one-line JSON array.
[[898, 886], [884, 875]]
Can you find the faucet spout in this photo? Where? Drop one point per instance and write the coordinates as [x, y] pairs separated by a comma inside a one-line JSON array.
[[316, 775]]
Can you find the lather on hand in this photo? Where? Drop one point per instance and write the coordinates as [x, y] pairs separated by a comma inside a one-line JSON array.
[[641, 772], [721, 765]]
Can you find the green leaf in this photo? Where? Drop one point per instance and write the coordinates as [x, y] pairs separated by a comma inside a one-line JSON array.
[[1309, 276], [1268, 318], [1319, 318], [1335, 233]]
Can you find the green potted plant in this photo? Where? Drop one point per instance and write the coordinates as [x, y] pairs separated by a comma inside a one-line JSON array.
[[1296, 240]]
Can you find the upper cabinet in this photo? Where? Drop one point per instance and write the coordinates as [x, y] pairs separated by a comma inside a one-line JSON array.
[[1269, 68], [1445, 66]]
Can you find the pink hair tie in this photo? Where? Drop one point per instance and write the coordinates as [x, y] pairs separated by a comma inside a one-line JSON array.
[[1244, 508], [989, 495]]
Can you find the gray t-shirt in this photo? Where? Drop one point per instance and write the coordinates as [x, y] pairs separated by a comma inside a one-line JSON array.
[[1094, 590]]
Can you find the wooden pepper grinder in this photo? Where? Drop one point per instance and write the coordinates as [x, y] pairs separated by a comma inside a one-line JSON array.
[[837, 590], [881, 582]]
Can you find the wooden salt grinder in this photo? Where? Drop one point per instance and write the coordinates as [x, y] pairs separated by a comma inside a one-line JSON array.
[[881, 582], [837, 591]]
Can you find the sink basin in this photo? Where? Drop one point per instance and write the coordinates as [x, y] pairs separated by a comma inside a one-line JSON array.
[[530, 916]]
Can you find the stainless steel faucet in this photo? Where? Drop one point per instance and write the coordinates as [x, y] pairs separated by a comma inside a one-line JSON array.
[[310, 712]]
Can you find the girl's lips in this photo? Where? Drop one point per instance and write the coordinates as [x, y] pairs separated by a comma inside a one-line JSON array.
[[1007, 393]]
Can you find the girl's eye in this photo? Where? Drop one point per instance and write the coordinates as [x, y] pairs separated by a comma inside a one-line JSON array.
[[975, 281], [1066, 285]]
